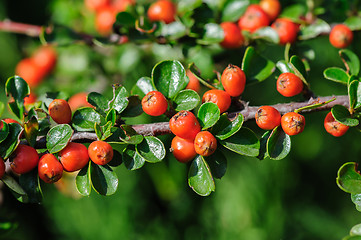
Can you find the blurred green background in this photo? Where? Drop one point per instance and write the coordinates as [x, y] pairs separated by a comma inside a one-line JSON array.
[[295, 198]]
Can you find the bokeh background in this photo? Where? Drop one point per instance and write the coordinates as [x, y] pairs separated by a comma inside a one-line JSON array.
[[295, 198]]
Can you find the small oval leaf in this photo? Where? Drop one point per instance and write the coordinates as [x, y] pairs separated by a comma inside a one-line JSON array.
[[4, 131], [186, 100], [336, 74], [217, 162], [151, 149], [351, 60], [85, 118], [132, 159], [226, 127], [120, 99], [200, 178], [342, 115], [98, 101], [11, 141], [208, 114], [58, 137], [278, 144], [82, 180], [104, 179], [349, 179], [31, 185]]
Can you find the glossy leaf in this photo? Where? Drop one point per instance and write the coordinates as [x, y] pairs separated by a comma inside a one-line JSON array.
[[128, 135], [172, 30], [98, 101], [169, 77], [356, 199], [217, 162], [336, 74], [233, 10], [11, 141], [186, 100], [4, 131], [31, 185], [111, 116], [353, 22], [132, 159], [244, 142], [85, 118], [120, 99], [83, 182], [143, 86], [134, 107], [294, 12], [31, 130], [58, 137], [103, 132], [104, 179], [298, 67], [315, 29], [2, 108], [263, 145], [267, 34], [356, 230], [225, 127], [208, 115], [278, 144], [349, 178], [284, 67], [256, 67], [342, 115], [17, 88], [351, 60], [200, 178], [151, 149], [354, 93]]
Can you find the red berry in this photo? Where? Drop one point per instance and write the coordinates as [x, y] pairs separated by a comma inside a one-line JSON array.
[[50, 169], [74, 157], [104, 20], [233, 80], [183, 149], [122, 5], [45, 58], [154, 103], [205, 143], [29, 71], [59, 111], [193, 82], [78, 100], [271, 7], [268, 117], [24, 159], [95, 5], [30, 99], [185, 125], [253, 19], [341, 36], [289, 85], [333, 127], [293, 123], [100, 152], [286, 29], [233, 37], [2, 167], [162, 10], [219, 97]]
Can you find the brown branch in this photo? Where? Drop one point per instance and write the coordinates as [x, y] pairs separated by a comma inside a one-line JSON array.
[[22, 28]]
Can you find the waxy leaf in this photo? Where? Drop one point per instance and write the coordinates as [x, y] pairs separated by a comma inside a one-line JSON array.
[[134, 107], [226, 127], [98, 101], [284, 67], [104, 179], [263, 145], [349, 178], [31, 185], [18, 89], [172, 31], [2, 108], [11, 141], [354, 93], [208, 115], [31, 130], [4, 131], [200, 178], [356, 199], [143, 86], [85, 118], [354, 23], [351, 60], [356, 230], [15, 188], [186, 100], [217, 162], [244, 142], [111, 116], [120, 99], [318, 27], [336, 74], [294, 12], [151, 149], [278, 144], [298, 68], [128, 135], [58, 137], [103, 132], [233, 10], [342, 115], [132, 159], [267, 34], [83, 182], [256, 67], [169, 77]]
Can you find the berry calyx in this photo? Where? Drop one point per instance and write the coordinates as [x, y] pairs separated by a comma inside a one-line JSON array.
[[333, 127], [183, 149], [74, 157], [233, 80], [59, 111], [289, 85], [219, 97], [268, 117], [286, 29], [154, 103], [50, 169], [271, 7], [185, 125], [23, 159], [293, 123], [253, 19], [100, 152], [205, 144], [341, 36], [233, 37], [162, 10], [2, 167]]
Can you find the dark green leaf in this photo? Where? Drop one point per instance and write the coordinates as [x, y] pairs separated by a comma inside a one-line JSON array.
[[85, 118], [200, 178], [104, 179], [278, 144], [351, 60], [233, 10], [98, 101], [15, 188], [16, 109], [225, 127], [17, 88], [256, 67], [349, 178], [11, 141], [336, 74], [61, 35], [125, 19], [354, 93], [267, 34], [354, 23], [151, 149], [31, 130], [128, 135], [82, 180], [186, 100], [4, 131], [342, 115], [143, 86], [244, 142], [298, 67], [218, 164], [172, 30], [134, 107], [58, 137], [132, 159], [315, 29], [263, 145], [31, 185], [294, 12], [111, 116], [169, 77], [208, 114], [120, 99]]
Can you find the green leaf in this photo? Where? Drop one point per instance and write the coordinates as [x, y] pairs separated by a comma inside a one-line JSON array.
[[315, 29], [354, 93], [267, 34], [278, 144], [284, 67], [244, 142], [354, 23], [200, 178], [217, 162], [298, 67], [213, 33], [61, 35], [134, 107], [2, 108], [356, 230], [151, 149], [18, 89], [4, 131], [58, 137], [31, 185], [143, 86], [208, 114], [169, 77], [11, 141], [349, 178], [356, 199], [225, 127], [263, 145], [125, 19], [233, 10], [120, 99], [16, 109], [351, 60], [129, 135], [342, 115], [256, 67], [104, 179], [111, 116], [83, 182], [132, 159], [15, 188], [172, 30], [314, 105], [103, 132], [336, 74], [85, 118], [186, 100], [31, 130], [98, 101], [294, 12]]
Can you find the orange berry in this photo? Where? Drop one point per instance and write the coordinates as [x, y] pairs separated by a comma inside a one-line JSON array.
[[45, 58], [185, 125], [286, 29], [95, 5], [162, 10], [289, 85], [233, 80], [154, 103], [193, 82], [271, 7], [50, 169], [74, 157], [293, 123], [78, 100], [29, 71], [333, 127], [122, 5], [268, 117], [341, 36], [205, 144], [100, 152], [233, 37], [219, 97], [59, 111], [104, 20], [24, 159], [30, 99], [253, 19], [183, 149]]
